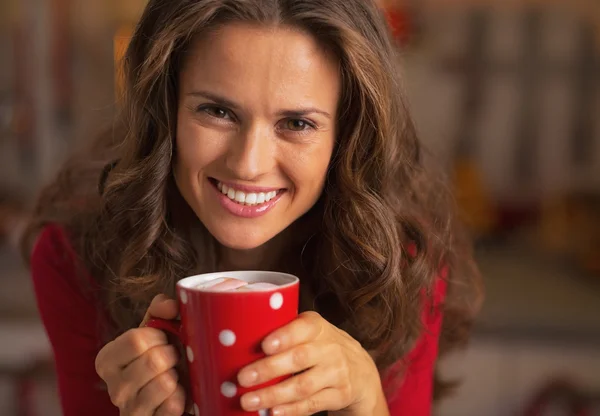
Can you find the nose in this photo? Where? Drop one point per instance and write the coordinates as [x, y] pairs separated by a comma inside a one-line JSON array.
[[251, 152]]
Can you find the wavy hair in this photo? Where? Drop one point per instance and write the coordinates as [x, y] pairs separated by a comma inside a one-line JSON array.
[[132, 235]]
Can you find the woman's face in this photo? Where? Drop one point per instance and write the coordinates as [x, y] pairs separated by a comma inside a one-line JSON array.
[[255, 131]]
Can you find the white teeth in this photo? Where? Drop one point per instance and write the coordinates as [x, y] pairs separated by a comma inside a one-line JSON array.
[[244, 198], [240, 197]]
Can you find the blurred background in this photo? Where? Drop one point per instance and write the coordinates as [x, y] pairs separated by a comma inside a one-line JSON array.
[[506, 97]]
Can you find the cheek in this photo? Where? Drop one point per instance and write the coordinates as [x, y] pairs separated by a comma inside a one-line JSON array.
[[310, 169], [196, 147]]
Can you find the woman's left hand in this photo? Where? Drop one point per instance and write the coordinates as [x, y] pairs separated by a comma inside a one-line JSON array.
[[332, 372]]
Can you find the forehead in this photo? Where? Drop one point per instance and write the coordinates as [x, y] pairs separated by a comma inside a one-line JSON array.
[[274, 60]]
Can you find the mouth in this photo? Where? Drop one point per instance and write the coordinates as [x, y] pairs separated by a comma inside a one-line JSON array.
[[247, 196]]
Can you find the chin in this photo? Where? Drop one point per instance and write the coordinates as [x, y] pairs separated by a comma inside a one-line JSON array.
[[240, 240]]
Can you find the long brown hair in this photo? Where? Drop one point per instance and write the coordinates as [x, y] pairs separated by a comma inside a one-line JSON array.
[[131, 234]]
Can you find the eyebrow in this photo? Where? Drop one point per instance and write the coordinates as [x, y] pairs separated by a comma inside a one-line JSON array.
[[298, 112], [301, 112], [215, 98]]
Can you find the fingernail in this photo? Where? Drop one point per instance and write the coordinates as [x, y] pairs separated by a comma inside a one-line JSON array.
[[250, 401], [246, 378], [273, 344], [277, 412]]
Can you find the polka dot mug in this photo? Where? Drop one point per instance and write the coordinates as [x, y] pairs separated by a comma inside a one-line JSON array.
[[222, 331]]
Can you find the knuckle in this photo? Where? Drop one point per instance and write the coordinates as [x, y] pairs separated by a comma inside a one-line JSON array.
[[132, 409], [172, 381], [313, 405], [167, 382], [356, 346], [99, 365], [338, 350], [344, 372], [296, 409], [102, 362], [137, 341], [313, 321], [269, 396], [135, 408], [300, 357], [270, 367], [156, 360], [346, 394], [119, 397], [173, 406], [310, 316], [304, 386]]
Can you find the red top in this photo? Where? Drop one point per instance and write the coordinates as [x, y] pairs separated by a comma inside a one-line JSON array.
[[71, 318]]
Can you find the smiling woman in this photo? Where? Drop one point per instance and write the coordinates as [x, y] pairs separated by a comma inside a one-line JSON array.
[[256, 135], [254, 116]]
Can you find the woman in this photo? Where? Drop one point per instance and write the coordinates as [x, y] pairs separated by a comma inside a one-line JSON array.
[[293, 109]]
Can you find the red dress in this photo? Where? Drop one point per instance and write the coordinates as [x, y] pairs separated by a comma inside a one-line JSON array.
[[71, 318]]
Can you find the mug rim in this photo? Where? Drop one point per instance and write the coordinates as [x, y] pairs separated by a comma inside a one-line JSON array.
[[203, 277]]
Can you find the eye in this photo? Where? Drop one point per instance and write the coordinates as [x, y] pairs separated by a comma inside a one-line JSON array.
[[295, 124], [215, 111]]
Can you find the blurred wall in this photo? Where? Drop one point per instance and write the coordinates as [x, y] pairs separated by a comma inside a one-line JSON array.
[[436, 89], [435, 92]]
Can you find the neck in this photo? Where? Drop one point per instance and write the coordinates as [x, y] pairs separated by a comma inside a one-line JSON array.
[[264, 257]]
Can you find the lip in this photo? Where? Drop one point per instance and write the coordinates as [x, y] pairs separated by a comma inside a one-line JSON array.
[[246, 211]]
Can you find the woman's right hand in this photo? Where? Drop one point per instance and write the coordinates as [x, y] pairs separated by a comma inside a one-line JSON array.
[[138, 368]]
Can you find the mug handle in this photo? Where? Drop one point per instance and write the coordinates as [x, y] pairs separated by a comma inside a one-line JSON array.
[[171, 326]]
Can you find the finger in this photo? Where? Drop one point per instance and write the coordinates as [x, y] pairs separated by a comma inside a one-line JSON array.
[[174, 405], [290, 361], [161, 307], [153, 394], [294, 389], [307, 327], [328, 399], [153, 362], [126, 348]]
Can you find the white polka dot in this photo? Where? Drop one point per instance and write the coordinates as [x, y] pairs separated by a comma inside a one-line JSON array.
[[196, 410], [227, 337], [190, 354], [183, 296], [276, 300], [228, 389], [263, 412]]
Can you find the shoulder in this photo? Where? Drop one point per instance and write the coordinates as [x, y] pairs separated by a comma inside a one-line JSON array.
[[71, 316], [434, 295], [438, 292], [53, 257], [432, 313], [57, 273], [52, 246], [409, 382]]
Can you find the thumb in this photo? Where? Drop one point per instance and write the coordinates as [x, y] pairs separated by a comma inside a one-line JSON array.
[[161, 307]]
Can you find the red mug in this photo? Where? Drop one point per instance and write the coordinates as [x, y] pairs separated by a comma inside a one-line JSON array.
[[222, 333]]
